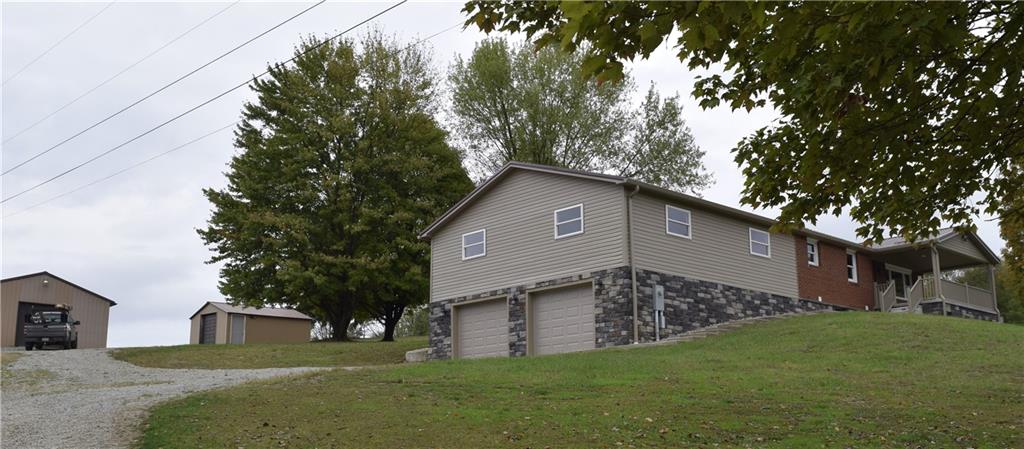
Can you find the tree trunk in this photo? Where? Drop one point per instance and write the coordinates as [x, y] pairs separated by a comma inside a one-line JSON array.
[[339, 317], [392, 314]]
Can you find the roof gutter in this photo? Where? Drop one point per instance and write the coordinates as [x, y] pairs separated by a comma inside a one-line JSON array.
[[632, 266]]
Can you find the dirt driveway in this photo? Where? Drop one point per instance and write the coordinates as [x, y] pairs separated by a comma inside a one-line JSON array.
[[85, 399]]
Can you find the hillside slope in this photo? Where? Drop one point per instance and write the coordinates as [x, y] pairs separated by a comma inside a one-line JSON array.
[[833, 380]]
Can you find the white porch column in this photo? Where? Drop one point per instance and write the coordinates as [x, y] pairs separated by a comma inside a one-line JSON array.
[[992, 286], [937, 274]]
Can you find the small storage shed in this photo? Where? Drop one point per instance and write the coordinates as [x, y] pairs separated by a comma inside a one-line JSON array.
[[20, 294], [220, 322]]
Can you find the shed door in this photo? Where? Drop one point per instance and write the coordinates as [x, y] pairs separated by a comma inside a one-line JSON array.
[[237, 328], [208, 328], [482, 329], [563, 320]]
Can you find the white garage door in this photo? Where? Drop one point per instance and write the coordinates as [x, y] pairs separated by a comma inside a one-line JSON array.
[[563, 320], [482, 329]]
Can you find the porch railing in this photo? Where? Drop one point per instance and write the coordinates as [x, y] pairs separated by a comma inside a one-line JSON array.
[[966, 294], [916, 294], [885, 294], [924, 290]]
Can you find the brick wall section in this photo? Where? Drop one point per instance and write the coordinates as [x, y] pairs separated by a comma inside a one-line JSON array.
[[828, 279]]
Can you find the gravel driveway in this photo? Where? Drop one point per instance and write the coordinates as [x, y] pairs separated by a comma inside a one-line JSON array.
[[85, 399]]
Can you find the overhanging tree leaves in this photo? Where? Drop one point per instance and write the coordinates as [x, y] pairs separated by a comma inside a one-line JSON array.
[[511, 103], [901, 111], [340, 162]]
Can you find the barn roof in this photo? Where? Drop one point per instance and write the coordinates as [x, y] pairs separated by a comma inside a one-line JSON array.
[[47, 273], [275, 312]]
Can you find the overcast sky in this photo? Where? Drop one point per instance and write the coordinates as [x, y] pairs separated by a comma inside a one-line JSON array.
[[132, 238]]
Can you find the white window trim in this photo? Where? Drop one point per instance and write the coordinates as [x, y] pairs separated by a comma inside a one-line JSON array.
[[854, 266], [750, 235], [817, 253], [464, 246], [688, 223], [582, 226]]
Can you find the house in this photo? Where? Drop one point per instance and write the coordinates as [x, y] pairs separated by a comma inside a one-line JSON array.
[[20, 294], [219, 322], [541, 260]]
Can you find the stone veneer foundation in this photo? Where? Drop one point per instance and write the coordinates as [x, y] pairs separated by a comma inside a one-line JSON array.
[[613, 311], [692, 303], [956, 310]]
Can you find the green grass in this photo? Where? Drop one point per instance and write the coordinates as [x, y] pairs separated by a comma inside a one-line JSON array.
[[834, 380], [362, 353]]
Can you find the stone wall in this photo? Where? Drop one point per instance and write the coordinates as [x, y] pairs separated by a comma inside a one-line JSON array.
[[691, 304], [956, 310], [613, 311]]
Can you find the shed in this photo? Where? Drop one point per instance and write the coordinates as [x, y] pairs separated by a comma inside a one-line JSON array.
[[220, 322], [20, 294]]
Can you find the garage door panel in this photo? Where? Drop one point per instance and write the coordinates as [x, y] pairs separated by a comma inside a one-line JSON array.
[[482, 329], [563, 320]]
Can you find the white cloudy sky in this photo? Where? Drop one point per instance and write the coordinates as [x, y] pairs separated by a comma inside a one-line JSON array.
[[132, 238]]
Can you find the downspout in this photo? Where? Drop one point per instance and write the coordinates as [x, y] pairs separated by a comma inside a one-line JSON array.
[[632, 266]]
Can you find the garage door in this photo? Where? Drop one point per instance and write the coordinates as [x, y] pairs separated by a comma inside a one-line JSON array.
[[563, 320], [482, 329], [208, 328]]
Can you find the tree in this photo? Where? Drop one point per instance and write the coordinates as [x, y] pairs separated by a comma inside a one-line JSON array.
[[340, 162], [511, 103], [415, 323], [899, 111]]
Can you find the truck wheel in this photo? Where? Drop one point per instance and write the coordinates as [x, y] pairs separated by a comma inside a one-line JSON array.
[[67, 344], [28, 346], [74, 344]]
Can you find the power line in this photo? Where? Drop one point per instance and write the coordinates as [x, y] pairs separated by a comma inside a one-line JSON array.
[[128, 168], [56, 44], [433, 35], [146, 161], [165, 87], [190, 110], [118, 74]]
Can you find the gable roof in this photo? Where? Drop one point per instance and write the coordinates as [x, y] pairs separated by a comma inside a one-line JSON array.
[[944, 234], [887, 245], [47, 273], [275, 312]]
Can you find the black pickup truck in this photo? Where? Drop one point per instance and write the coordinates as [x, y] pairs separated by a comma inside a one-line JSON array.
[[50, 327]]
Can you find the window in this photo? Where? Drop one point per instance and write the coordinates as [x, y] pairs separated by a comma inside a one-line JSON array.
[[569, 221], [812, 252], [677, 221], [474, 244], [851, 266], [760, 243]]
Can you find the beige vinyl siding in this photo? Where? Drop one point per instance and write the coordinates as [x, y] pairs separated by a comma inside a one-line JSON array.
[[91, 310], [264, 329], [518, 214], [964, 246], [719, 250], [222, 325]]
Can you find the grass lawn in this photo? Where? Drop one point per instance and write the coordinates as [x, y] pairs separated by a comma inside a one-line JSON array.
[[836, 380], [360, 353]]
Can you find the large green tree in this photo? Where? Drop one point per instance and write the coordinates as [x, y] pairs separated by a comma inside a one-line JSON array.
[[512, 103], [900, 111], [339, 163]]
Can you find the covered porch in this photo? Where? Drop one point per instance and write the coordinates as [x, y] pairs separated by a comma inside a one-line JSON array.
[[918, 278]]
